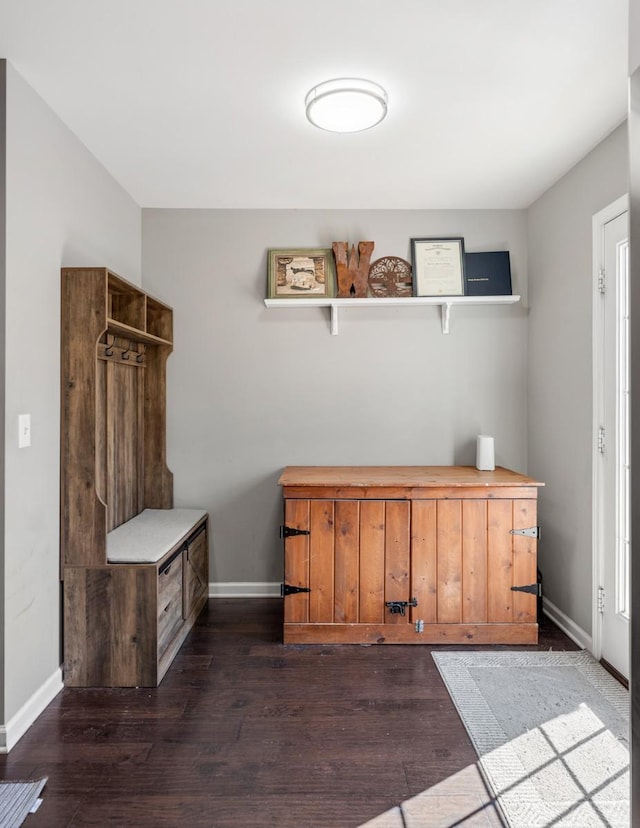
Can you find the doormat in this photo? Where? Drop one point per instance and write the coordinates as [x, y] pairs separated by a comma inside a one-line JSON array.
[[551, 730], [18, 800]]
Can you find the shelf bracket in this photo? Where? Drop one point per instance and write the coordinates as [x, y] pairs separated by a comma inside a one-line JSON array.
[[445, 312], [334, 320]]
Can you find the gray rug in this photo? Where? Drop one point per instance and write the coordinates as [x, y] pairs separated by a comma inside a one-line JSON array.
[[551, 731], [18, 800]]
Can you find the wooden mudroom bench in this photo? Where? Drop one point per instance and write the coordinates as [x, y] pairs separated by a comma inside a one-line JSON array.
[[134, 569]]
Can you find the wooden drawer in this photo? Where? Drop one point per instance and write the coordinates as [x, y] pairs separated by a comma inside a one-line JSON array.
[[196, 572], [170, 601]]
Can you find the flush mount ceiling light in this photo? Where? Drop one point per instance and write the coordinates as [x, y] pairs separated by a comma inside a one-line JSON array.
[[346, 105]]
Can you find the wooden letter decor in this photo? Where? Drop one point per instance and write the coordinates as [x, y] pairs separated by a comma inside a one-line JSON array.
[[353, 273]]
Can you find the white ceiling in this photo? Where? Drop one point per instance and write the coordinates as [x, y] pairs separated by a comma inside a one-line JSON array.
[[199, 103]]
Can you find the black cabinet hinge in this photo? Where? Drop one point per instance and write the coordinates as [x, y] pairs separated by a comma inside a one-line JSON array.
[[534, 589], [287, 589], [289, 531]]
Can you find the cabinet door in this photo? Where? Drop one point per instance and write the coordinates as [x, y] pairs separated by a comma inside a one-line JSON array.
[[196, 579], [354, 559], [466, 559]]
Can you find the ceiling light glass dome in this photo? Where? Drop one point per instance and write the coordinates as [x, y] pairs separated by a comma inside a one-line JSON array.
[[346, 105]]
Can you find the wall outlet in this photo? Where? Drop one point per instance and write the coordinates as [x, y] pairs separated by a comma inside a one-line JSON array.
[[24, 430]]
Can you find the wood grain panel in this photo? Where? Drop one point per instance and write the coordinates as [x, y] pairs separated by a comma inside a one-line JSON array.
[[524, 561], [196, 573], [403, 477], [474, 561], [74, 626], [83, 514], [308, 492], [123, 443], [126, 304], [449, 544], [296, 560], [321, 560], [406, 634], [134, 626], [424, 559], [397, 558], [171, 596], [122, 600], [500, 560], [140, 387], [158, 490], [372, 564], [159, 319], [101, 433], [347, 561]]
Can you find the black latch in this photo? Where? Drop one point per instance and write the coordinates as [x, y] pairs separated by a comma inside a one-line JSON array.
[[530, 532], [533, 589], [398, 607], [289, 531], [287, 589]]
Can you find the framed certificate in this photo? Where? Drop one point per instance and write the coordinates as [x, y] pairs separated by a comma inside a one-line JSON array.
[[438, 266]]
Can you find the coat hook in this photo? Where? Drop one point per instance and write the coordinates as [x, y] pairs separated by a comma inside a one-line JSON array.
[[140, 356], [108, 351], [125, 353]]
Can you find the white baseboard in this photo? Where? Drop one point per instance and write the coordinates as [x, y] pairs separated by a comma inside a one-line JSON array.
[[18, 725], [569, 627], [242, 589]]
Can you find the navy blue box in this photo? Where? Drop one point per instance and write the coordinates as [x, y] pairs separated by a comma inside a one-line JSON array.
[[487, 274]]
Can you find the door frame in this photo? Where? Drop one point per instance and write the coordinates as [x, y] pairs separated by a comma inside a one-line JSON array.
[[599, 221]]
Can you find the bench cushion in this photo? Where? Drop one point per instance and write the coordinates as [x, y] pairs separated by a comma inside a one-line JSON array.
[[148, 537]]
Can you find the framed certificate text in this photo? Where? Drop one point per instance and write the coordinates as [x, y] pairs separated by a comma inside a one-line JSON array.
[[438, 266]]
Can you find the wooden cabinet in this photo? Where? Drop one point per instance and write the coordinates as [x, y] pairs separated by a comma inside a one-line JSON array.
[[409, 555], [134, 570]]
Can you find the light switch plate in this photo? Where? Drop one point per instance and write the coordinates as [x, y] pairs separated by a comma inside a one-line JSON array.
[[24, 430]]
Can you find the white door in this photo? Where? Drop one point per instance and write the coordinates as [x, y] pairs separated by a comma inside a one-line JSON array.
[[612, 456]]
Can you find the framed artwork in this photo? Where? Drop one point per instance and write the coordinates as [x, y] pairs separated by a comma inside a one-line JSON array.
[[301, 273], [438, 266]]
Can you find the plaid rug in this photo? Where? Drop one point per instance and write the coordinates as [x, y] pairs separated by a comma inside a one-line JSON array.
[[551, 730]]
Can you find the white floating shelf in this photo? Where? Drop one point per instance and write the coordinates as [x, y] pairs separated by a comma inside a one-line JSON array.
[[445, 304]]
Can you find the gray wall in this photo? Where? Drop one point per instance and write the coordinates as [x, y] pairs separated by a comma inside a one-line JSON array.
[[62, 208], [253, 389], [634, 36], [560, 385]]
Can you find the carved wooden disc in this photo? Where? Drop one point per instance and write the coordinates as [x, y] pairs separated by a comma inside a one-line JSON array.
[[391, 276]]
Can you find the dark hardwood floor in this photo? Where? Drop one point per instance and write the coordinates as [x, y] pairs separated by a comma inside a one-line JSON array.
[[245, 731]]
